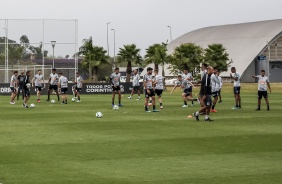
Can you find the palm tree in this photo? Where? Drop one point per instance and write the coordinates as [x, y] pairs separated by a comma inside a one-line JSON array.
[[129, 54], [93, 58]]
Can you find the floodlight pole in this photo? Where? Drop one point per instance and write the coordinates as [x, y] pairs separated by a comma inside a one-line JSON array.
[[114, 47], [170, 33], [108, 38], [53, 43]]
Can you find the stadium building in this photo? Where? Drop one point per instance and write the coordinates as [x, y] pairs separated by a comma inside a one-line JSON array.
[[251, 46]]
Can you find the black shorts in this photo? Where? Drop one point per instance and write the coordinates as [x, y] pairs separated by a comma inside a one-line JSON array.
[[237, 90], [262, 94], [215, 94], [136, 88], [152, 93], [53, 87], [78, 90], [187, 92], [117, 88], [159, 92], [208, 100], [13, 90], [37, 88], [64, 90], [26, 92]]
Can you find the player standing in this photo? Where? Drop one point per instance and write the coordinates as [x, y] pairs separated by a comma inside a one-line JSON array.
[[63, 84], [220, 87], [237, 87], [215, 83], [262, 88], [20, 84], [38, 80], [53, 84], [115, 80], [79, 85], [205, 94], [13, 87], [188, 76], [149, 92], [159, 86], [135, 84], [26, 89]]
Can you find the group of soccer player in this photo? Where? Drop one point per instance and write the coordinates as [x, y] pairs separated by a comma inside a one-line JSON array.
[[22, 83]]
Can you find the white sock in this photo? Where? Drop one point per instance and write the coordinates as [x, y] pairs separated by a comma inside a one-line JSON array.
[[197, 113], [207, 117], [139, 97]]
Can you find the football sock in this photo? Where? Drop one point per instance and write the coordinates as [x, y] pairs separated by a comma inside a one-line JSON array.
[[207, 117], [146, 108], [139, 97], [258, 106], [197, 113], [161, 104], [213, 106], [58, 97], [185, 102], [193, 101], [79, 98], [154, 107]]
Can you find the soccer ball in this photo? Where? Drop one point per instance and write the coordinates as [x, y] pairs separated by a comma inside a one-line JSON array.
[[53, 101], [115, 107], [28, 85], [73, 99], [99, 115], [32, 105]]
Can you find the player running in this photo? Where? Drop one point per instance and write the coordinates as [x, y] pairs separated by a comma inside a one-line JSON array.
[[53, 84], [149, 91], [63, 84], [79, 85], [115, 80], [215, 83], [159, 86], [188, 76], [38, 81], [21, 78], [135, 84], [237, 87], [262, 88], [205, 94], [26, 89], [13, 87]]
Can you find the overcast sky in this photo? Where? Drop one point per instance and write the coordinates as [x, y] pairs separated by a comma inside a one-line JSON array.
[[142, 22]]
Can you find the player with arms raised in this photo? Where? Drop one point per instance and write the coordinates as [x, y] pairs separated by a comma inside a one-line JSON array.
[[115, 79], [38, 80], [53, 84]]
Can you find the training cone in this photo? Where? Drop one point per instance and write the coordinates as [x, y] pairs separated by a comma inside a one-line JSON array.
[[189, 116]]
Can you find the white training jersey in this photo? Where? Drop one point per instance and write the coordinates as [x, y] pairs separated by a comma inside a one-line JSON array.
[[262, 83], [79, 81], [238, 82], [159, 84], [38, 80], [203, 73], [220, 82], [185, 84], [148, 79], [135, 81], [187, 76], [54, 79], [115, 78], [63, 82], [215, 83], [13, 81]]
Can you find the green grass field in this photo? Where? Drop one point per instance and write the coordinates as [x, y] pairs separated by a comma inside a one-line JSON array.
[[68, 144]]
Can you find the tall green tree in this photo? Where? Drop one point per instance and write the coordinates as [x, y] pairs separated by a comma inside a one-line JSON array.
[[216, 56], [187, 55], [94, 57], [129, 54]]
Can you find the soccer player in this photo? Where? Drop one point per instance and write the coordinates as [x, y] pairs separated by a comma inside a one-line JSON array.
[[159, 86], [135, 84], [63, 84], [262, 88], [185, 85], [215, 83], [237, 87], [26, 89], [115, 80], [13, 87], [188, 76], [149, 91], [21, 78], [220, 87], [203, 72], [205, 94], [53, 84], [38, 81], [79, 85]]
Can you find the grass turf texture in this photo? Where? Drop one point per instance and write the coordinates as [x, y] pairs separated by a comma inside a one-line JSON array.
[[68, 144]]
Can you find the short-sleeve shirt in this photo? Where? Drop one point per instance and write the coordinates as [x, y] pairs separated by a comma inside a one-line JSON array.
[[238, 82], [38, 80], [262, 83], [185, 84], [79, 82], [54, 79], [13, 81], [159, 84], [148, 79], [21, 79], [188, 75], [135, 81], [115, 78], [63, 81]]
